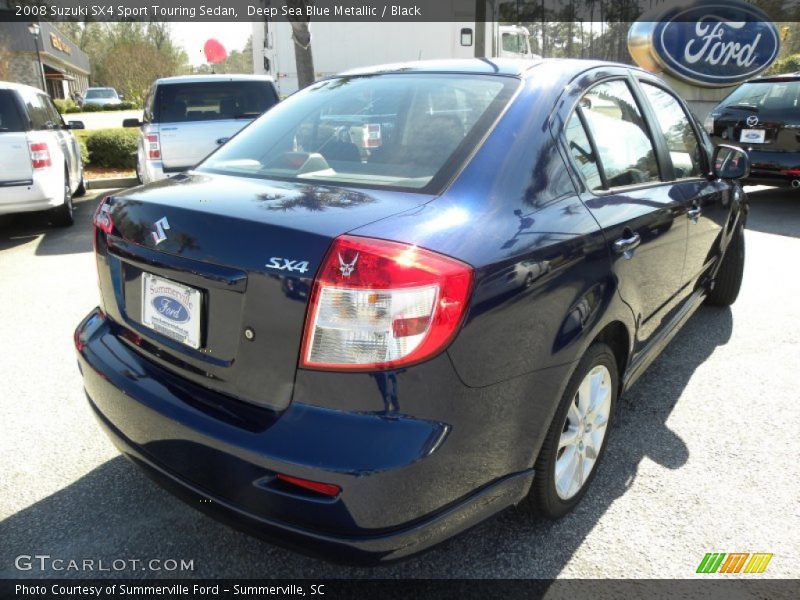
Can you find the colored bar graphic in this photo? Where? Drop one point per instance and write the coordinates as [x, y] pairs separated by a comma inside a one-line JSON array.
[[711, 562], [721, 562], [758, 562], [733, 561]]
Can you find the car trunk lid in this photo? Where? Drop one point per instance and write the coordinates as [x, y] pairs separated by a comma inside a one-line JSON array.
[[243, 253], [15, 158]]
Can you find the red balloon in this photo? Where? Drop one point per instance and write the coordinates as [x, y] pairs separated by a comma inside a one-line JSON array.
[[214, 51]]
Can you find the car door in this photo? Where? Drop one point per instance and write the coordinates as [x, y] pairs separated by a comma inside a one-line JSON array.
[[707, 200], [619, 164]]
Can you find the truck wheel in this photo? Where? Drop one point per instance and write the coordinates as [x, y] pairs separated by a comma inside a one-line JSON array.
[[64, 215], [576, 441], [729, 277]]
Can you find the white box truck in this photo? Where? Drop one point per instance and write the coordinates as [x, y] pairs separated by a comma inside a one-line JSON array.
[[339, 46]]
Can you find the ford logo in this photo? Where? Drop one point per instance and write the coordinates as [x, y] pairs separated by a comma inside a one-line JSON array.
[[711, 44], [171, 308]]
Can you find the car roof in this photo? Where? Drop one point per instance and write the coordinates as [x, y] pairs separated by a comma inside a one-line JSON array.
[[9, 85], [775, 78], [101, 88], [515, 67], [211, 78]]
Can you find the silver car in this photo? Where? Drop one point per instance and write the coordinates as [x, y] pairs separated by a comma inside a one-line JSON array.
[[186, 118], [101, 96]]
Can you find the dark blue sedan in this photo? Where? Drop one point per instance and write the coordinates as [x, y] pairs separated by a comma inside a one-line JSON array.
[[408, 297]]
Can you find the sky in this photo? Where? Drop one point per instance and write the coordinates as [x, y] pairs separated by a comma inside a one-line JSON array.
[[192, 36]]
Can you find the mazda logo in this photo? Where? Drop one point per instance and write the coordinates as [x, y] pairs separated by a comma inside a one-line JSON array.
[[752, 121]]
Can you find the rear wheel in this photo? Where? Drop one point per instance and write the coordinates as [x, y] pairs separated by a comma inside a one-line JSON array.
[[64, 215], [576, 441], [729, 277], [81, 191]]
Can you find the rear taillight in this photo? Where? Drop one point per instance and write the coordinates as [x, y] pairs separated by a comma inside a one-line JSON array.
[[40, 155], [378, 305], [102, 216], [153, 146]]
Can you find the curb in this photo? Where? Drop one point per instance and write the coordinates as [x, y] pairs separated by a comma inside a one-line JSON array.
[[105, 184]]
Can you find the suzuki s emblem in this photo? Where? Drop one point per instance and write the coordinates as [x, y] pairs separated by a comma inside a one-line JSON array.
[[752, 121], [347, 268], [158, 235]]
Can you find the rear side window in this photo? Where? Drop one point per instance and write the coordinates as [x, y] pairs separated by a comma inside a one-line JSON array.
[[38, 111], [684, 150], [407, 131], [620, 134], [212, 101], [10, 119], [766, 95], [582, 153]]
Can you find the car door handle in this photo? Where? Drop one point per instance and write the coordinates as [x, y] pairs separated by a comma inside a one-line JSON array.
[[626, 245], [222, 140], [694, 213]]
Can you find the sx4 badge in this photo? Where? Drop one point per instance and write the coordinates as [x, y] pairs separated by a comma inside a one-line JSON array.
[[285, 264]]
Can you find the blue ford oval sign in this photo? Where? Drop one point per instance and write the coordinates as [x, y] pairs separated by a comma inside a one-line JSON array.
[[711, 44], [171, 308]]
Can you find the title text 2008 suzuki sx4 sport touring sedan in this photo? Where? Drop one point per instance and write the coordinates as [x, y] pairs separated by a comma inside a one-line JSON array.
[[407, 298]]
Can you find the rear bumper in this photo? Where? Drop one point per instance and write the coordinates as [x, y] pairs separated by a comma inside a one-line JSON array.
[[227, 468], [33, 195], [770, 168], [154, 170]]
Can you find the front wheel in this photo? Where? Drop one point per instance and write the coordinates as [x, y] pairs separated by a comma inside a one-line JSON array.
[[576, 440]]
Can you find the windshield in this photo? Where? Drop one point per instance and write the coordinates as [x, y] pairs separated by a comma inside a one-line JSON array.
[[211, 101], [101, 94], [765, 95], [388, 130]]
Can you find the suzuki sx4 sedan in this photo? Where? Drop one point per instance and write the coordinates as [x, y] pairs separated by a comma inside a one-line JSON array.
[[408, 297]]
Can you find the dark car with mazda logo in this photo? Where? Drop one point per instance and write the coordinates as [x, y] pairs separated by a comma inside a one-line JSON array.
[[362, 350], [762, 116]]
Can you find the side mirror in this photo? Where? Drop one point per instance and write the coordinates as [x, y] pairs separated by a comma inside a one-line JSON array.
[[76, 125], [121, 96], [730, 162], [131, 123]]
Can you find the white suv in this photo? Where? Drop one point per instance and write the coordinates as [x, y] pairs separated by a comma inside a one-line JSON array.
[[186, 118], [40, 161]]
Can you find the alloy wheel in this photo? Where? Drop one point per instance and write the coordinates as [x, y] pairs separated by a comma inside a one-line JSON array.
[[583, 433]]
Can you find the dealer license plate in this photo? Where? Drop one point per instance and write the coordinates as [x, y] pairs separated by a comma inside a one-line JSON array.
[[171, 309], [752, 136]]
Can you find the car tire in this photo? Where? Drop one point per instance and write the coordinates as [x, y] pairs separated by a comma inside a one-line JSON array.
[[729, 277], [64, 215], [81, 191], [576, 441]]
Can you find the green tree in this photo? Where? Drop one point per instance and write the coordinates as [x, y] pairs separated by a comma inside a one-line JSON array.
[[238, 62]]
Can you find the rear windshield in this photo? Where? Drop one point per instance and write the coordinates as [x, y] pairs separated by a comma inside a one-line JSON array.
[[176, 103], [10, 119], [407, 131], [105, 94], [765, 95]]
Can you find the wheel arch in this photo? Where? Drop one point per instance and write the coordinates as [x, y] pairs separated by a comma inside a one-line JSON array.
[[616, 335]]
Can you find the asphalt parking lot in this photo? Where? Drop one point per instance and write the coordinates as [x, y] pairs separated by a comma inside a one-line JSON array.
[[703, 457]]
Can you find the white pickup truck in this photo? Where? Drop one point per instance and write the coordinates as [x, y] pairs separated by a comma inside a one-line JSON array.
[[186, 118], [40, 161]]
